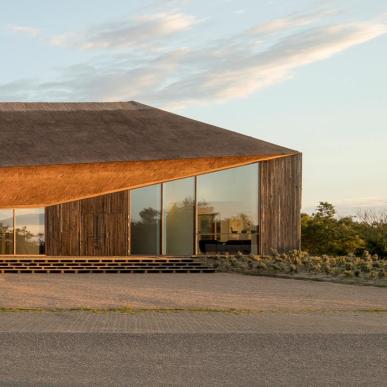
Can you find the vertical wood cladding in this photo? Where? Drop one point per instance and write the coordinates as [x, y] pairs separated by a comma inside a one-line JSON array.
[[280, 204], [96, 226], [63, 229]]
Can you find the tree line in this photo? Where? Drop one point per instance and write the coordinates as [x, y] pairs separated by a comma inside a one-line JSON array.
[[324, 233]]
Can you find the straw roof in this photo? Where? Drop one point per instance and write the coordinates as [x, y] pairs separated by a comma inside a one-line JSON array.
[[33, 134]]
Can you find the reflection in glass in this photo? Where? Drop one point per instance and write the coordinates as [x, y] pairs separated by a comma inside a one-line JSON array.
[[178, 212], [6, 231], [29, 228], [228, 210], [145, 212]]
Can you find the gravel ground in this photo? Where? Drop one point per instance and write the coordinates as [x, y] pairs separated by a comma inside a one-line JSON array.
[[220, 290]]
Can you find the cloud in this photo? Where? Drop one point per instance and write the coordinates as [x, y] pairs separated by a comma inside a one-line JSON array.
[[25, 30], [290, 22], [139, 31], [214, 71]]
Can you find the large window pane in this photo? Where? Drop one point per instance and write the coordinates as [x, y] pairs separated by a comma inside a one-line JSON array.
[[6, 231], [29, 228], [145, 220], [228, 210], [178, 212]]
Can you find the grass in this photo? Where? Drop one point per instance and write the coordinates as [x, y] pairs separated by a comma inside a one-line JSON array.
[[234, 311], [128, 309]]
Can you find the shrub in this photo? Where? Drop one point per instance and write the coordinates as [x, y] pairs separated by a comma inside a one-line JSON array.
[[261, 266], [365, 267], [348, 266]]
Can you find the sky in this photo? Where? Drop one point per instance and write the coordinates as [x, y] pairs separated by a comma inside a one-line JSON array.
[[308, 75]]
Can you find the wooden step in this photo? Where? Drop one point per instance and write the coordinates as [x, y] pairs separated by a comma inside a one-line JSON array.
[[102, 265], [81, 271]]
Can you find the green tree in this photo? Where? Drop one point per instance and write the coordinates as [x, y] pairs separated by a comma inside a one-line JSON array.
[[322, 233], [325, 210]]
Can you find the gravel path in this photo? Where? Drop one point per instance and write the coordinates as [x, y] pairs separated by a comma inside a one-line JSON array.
[[218, 290]]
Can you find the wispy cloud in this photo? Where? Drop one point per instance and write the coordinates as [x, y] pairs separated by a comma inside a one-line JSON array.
[[214, 71], [290, 22], [139, 31], [25, 30]]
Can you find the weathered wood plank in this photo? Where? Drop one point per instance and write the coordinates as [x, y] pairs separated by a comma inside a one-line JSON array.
[[280, 204], [91, 227]]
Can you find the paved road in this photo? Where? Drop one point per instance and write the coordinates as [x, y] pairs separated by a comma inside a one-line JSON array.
[[193, 349], [245, 359]]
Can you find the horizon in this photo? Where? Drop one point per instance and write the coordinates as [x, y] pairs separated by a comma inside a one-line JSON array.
[[309, 75]]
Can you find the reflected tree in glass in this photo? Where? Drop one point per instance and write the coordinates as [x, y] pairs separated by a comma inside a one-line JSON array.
[[145, 210], [228, 210], [29, 229], [179, 212], [6, 231]]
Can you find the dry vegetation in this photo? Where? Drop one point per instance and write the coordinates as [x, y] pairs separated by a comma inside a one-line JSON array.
[[367, 269]]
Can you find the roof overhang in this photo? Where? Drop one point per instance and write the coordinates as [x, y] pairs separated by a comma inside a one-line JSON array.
[[45, 185]]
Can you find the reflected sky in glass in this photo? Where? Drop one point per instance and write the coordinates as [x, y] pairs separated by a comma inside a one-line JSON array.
[[232, 191], [146, 197], [178, 222], [6, 217], [31, 218]]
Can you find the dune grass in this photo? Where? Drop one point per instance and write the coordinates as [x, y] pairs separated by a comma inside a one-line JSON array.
[[365, 270]]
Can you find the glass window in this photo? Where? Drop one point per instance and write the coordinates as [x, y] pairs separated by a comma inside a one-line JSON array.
[[145, 212], [228, 210], [29, 228], [6, 231], [178, 213]]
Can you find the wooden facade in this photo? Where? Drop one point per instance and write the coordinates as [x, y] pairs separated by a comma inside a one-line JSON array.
[[90, 227], [280, 204], [100, 226]]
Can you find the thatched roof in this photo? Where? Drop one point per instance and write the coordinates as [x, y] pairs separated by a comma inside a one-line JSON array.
[[34, 134]]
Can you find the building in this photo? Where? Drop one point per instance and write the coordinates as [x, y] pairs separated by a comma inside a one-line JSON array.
[[120, 179]]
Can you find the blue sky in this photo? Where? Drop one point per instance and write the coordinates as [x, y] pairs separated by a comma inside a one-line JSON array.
[[310, 75]]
